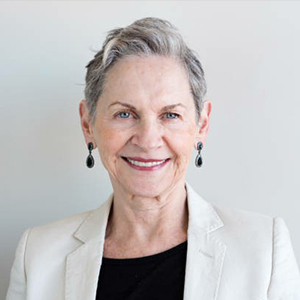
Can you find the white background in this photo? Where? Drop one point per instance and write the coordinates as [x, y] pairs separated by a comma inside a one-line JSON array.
[[250, 52]]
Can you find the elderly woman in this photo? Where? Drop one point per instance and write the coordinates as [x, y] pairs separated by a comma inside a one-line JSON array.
[[154, 237]]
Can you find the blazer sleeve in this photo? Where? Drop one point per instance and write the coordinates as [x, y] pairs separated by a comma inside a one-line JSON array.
[[17, 284], [285, 277]]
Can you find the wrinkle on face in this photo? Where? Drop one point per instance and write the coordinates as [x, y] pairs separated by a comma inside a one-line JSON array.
[[148, 84]]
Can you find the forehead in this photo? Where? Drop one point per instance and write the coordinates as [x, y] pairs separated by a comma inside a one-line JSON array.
[[154, 76]]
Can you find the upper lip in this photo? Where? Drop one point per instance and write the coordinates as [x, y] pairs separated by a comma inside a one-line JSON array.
[[144, 159]]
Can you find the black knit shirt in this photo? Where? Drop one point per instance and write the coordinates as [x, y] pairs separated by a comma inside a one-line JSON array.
[[156, 277]]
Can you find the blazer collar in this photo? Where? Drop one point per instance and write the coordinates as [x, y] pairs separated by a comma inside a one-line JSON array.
[[205, 253]]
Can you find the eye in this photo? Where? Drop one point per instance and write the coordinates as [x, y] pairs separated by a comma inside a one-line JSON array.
[[173, 115], [123, 114]]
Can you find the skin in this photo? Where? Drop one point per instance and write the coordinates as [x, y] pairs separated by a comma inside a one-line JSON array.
[[149, 212]]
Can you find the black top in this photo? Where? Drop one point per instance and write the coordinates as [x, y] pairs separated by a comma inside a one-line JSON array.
[[156, 277]]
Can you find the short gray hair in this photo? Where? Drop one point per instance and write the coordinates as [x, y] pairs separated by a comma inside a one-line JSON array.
[[144, 37]]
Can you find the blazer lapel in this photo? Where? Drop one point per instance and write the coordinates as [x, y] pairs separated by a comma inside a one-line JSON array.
[[205, 254], [83, 265]]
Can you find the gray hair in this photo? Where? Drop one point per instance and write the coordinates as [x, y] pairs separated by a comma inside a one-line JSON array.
[[144, 37]]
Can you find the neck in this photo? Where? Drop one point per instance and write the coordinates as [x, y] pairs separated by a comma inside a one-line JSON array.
[[135, 220]]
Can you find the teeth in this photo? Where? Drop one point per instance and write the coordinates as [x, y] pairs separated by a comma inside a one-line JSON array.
[[146, 164]]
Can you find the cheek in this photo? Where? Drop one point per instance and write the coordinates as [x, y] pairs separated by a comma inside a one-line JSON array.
[[182, 142], [182, 149], [182, 138], [185, 128], [108, 137], [109, 143]]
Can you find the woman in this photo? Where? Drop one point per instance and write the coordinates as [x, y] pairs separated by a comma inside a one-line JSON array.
[[154, 237]]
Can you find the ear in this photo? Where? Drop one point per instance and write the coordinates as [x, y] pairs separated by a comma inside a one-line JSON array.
[[86, 123], [203, 125]]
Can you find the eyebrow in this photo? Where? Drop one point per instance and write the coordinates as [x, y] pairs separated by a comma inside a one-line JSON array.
[[167, 107]]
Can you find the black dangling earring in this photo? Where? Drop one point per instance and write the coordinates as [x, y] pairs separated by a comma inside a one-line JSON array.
[[198, 160], [90, 158]]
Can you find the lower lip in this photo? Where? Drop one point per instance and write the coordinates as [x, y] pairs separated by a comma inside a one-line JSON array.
[[157, 167]]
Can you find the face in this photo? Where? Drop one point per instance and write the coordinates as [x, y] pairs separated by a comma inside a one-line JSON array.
[[146, 112]]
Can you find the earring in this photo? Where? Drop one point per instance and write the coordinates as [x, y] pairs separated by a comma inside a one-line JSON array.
[[90, 158], [198, 160]]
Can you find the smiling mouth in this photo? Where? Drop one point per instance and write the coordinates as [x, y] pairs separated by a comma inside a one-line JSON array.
[[145, 164]]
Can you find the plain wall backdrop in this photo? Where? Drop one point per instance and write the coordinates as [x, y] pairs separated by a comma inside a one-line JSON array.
[[250, 54]]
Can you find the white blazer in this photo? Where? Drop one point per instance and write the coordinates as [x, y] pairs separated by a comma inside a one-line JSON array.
[[232, 254]]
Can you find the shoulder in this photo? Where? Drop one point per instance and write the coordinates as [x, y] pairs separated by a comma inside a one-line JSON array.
[[47, 243], [263, 241], [234, 216], [227, 219], [65, 225], [58, 233], [245, 227]]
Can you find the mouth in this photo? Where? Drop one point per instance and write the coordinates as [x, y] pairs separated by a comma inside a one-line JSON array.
[[146, 166]]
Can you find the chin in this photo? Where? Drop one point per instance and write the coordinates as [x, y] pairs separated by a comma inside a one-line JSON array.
[[146, 189]]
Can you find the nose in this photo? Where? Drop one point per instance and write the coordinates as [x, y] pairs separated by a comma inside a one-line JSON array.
[[148, 135]]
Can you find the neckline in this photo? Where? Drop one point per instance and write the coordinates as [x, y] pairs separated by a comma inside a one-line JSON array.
[[148, 258]]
